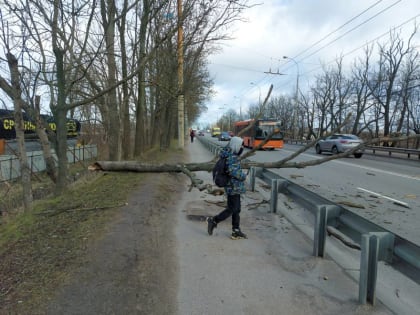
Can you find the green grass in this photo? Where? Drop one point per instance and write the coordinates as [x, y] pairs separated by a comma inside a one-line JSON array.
[[38, 250]]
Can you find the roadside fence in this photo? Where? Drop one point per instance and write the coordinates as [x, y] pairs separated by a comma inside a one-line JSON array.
[[10, 164]]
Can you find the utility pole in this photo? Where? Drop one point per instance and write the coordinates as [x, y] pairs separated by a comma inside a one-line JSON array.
[[295, 114], [180, 99]]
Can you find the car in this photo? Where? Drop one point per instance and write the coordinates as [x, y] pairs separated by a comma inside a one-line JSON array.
[[201, 133], [339, 143], [224, 136]]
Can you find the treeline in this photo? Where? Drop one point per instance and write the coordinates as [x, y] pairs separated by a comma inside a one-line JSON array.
[[112, 63], [380, 88]]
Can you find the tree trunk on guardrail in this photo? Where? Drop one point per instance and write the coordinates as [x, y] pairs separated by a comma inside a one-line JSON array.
[[187, 168]]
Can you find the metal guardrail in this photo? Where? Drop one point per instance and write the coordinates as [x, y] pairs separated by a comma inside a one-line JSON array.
[[376, 243], [373, 149], [390, 150], [10, 164], [213, 147]]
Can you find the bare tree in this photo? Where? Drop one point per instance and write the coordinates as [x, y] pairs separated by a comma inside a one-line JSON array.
[[383, 83], [308, 118], [324, 100], [125, 95], [19, 127], [361, 93], [407, 81]]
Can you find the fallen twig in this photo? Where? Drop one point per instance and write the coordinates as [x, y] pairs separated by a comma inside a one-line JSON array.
[[255, 205], [351, 204], [343, 238], [55, 212]]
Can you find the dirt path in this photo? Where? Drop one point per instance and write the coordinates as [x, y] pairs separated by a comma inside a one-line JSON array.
[[132, 269]]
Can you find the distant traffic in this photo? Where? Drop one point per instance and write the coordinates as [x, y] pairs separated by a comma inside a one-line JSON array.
[[253, 132]]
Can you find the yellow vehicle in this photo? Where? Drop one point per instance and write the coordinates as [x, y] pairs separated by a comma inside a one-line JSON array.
[[215, 131]]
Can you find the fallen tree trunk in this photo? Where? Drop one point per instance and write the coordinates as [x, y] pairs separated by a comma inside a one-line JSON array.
[[143, 167], [136, 166]]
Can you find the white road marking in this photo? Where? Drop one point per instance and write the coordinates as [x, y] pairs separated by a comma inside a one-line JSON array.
[[385, 197], [414, 177], [380, 171]]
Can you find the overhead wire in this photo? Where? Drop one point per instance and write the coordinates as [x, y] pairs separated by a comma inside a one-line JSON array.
[[331, 33], [346, 33], [266, 77], [351, 30], [366, 44], [339, 28]]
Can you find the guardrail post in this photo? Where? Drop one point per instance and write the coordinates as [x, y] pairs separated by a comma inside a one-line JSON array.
[[274, 195], [325, 215], [375, 246], [252, 178], [368, 268], [320, 231], [254, 173]]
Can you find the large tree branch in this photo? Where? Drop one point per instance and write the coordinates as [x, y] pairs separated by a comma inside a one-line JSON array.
[[135, 166]]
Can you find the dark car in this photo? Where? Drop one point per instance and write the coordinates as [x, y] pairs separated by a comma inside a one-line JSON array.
[[201, 133], [224, 136], [338, 143]]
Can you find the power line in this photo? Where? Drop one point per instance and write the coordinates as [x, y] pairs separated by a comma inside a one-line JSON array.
[[366, 44], [351, 30], [362, 46], [267, 77], [339, 28], [322, 39]]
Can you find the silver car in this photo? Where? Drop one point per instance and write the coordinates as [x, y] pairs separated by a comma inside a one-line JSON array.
[[338, 143]]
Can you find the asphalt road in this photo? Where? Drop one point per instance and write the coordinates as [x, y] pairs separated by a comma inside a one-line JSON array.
[[384, 190], [272, 272]]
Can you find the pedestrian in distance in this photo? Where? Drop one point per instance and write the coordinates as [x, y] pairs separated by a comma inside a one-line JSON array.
[[192, 135], [233, 190]]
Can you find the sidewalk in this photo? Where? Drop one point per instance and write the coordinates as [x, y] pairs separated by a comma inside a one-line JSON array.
[[272, 272]]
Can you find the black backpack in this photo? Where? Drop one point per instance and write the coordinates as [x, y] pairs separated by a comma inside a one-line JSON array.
[[220, 173]]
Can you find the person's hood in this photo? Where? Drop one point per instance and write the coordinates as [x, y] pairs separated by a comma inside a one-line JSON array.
[[235, 144]]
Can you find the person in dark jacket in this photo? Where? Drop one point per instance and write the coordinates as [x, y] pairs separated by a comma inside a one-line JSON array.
[[233, 191], [192, 135]]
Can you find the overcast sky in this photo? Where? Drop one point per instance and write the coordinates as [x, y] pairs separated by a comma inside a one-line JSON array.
[[309, 31]]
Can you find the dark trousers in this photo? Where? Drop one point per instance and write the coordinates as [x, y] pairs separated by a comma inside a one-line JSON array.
[[233, 209]]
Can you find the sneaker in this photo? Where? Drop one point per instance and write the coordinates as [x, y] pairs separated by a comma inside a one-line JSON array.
[[211, 225], [237, 234]]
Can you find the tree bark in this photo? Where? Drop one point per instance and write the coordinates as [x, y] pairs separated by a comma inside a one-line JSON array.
[[142, 167], [108, 11], [19, 127]]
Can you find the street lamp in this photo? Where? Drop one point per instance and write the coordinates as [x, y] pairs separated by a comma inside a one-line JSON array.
[[297, 93], [259, 95], [221, 119], [240, 107]]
